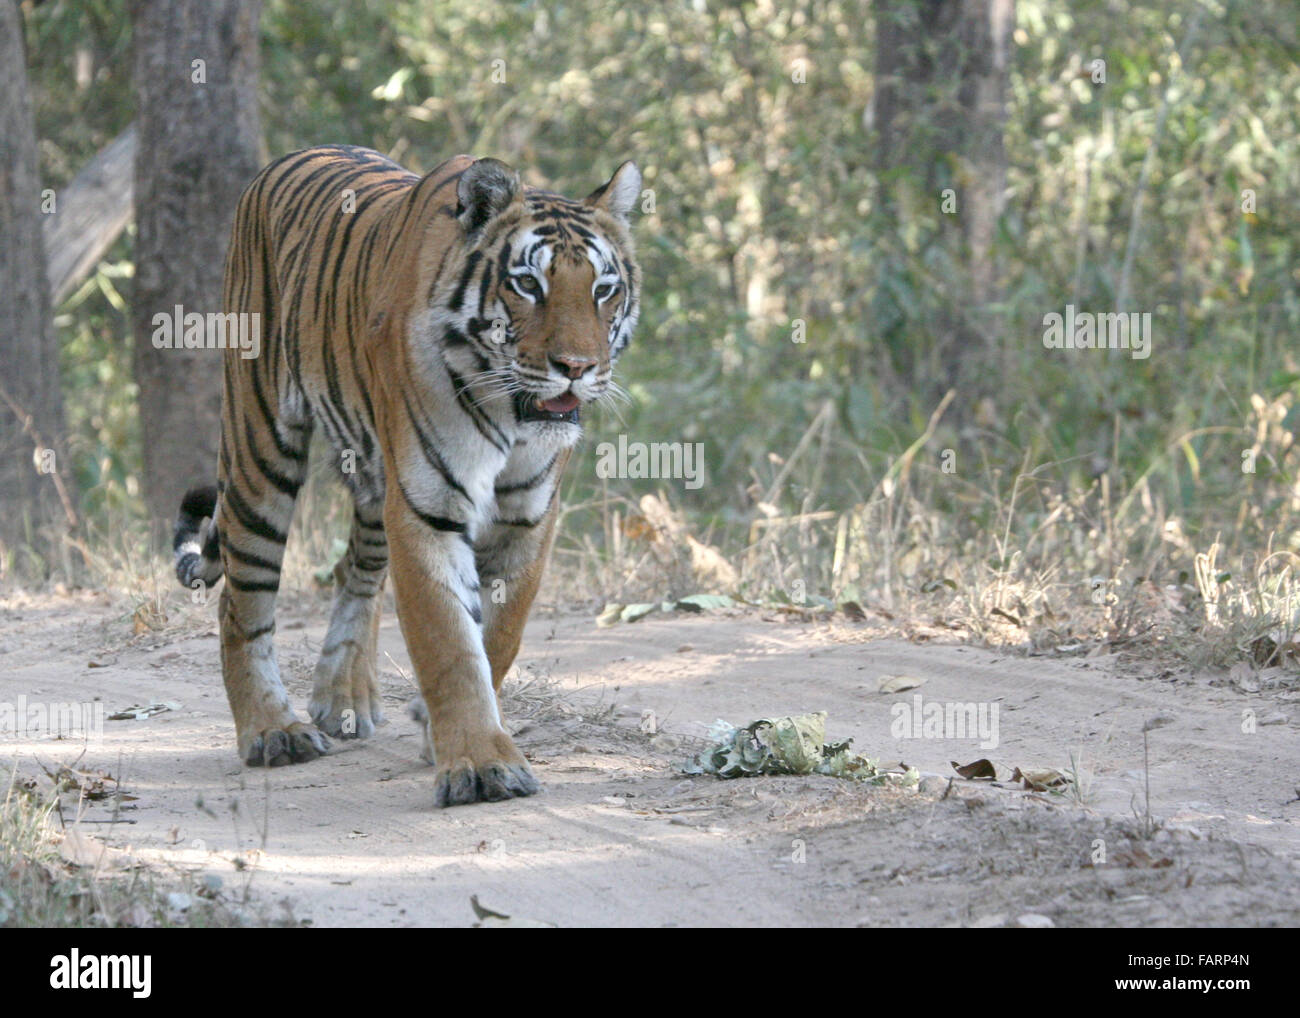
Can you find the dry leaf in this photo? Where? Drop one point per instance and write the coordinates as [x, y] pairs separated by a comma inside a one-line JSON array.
[[898, 683], [138, 712], [1039, 779], [490, 919], [976, 770]]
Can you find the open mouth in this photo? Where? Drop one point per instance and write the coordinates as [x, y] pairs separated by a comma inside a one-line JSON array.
[[562, 408]]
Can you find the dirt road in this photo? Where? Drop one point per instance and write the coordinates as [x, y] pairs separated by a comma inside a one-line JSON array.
[[620, 837]]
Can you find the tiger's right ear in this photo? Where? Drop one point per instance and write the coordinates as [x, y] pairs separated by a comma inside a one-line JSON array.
[[486, 189], [618, 195]]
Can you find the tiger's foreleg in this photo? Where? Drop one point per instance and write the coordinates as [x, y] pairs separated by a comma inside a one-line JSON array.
[[510, 563], [435, 581]]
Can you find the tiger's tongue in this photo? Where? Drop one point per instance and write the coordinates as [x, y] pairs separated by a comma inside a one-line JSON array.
[[560, 404]]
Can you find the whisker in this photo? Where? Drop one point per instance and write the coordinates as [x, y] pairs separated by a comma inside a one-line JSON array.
[[617, 393], [495, 378], [607, 402]]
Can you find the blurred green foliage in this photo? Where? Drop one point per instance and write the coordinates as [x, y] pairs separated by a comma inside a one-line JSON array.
[[766, 211]]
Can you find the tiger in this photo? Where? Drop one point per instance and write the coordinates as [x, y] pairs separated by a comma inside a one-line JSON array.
[[445, 332]]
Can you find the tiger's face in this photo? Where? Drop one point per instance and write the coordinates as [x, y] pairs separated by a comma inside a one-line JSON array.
[[550, 293]]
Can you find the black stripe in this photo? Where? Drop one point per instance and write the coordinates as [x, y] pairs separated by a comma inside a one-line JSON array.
[[520, 522], [250, 520], [288, 485], [265, 586], [458, 295], [428, 446], [331, 173], [439, 523], [287, 166], [249, 559], [532, 482]]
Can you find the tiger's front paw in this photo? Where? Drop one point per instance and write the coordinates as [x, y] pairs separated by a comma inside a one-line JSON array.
[[487, 768], [281, 744]]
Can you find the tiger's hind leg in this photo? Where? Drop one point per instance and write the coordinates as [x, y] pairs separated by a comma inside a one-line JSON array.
[[259, 485], [345, 695]]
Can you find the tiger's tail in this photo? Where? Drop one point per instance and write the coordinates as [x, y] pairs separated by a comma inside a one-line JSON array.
[[196, 544]]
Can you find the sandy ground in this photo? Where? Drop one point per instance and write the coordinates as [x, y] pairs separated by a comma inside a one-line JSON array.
[[620, 837]]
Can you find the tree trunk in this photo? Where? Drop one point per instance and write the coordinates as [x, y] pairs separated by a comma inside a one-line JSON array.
[[196, 70], [939, 105], [986, 28], [31, 404]]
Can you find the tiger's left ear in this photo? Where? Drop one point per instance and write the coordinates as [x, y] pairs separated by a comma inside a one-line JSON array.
[[485, 189], [618, 195]]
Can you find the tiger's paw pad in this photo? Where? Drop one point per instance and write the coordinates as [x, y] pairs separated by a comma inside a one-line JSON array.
[[294, 743], [463, 783]]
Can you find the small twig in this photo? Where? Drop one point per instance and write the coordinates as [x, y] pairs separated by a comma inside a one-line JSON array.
[[25, 419], [821, 420], [682, 809], [900, 467], [1146, 774]]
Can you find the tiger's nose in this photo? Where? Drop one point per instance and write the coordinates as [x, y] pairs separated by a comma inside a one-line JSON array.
[[572, 367]]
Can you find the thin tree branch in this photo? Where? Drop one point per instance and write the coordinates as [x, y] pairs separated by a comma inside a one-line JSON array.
[[25, 419]]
